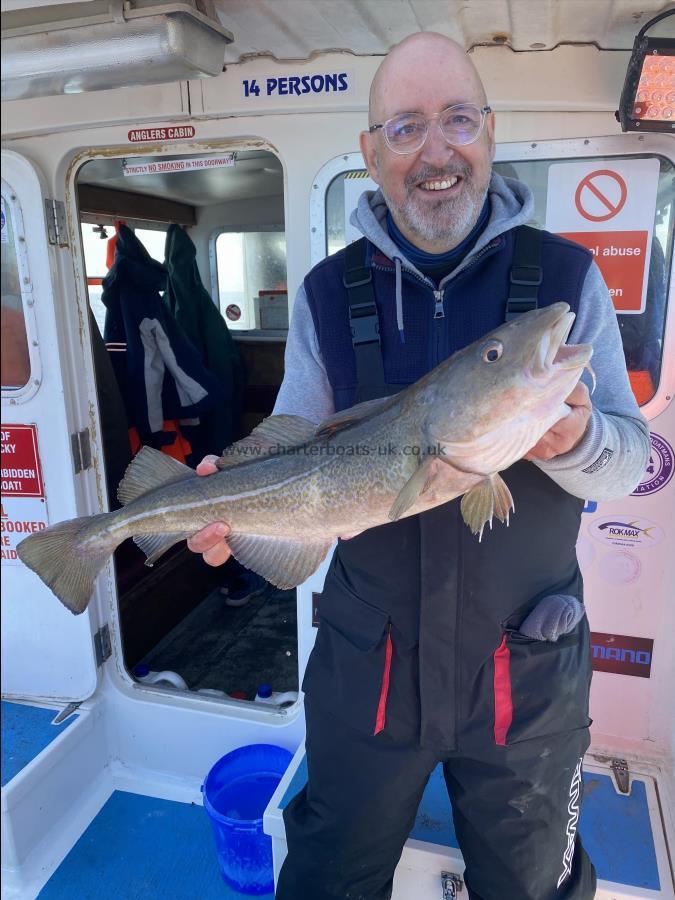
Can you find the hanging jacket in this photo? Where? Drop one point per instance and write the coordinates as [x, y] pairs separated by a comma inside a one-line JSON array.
[[160, 372], [194, 310]]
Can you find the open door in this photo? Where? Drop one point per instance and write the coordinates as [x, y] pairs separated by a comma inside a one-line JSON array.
[[47, 653]]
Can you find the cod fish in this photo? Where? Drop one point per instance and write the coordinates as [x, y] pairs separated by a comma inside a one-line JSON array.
[[291, 488]]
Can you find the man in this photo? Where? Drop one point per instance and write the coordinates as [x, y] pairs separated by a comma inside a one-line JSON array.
[[423, 654]]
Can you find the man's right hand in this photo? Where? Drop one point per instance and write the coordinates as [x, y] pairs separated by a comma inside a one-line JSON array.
[[210, 541]]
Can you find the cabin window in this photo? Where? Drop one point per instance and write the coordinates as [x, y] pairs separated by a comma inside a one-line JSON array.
[[251, 280], [636, 263], [15, 359]]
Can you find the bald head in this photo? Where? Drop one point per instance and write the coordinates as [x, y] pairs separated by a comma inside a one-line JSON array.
[[413, 64]]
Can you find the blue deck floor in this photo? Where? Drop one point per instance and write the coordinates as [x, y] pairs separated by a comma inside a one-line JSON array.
[[140, 848], [26, 731]]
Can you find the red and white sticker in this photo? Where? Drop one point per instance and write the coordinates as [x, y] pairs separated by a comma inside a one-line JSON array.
[[24, 509], [608, 206], [233, 312], [161, 133]]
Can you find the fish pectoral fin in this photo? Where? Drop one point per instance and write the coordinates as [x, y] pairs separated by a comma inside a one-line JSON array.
[[274, 431], [148, 470], [156, 545], [284, 562], [347, 417], [491, 497], [415, 486]]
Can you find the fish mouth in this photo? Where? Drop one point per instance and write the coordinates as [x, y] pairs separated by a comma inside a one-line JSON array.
[[553, 354]]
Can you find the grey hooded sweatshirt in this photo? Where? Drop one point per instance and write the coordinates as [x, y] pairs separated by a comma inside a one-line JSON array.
[[611, 458]]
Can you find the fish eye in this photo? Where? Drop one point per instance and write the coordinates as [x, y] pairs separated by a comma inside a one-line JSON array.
[[491, 351]]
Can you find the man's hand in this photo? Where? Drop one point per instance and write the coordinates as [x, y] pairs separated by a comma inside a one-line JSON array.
[[210, 541], [567, 432]]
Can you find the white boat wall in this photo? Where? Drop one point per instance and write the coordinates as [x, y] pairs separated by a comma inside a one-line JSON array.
[[263, 175]]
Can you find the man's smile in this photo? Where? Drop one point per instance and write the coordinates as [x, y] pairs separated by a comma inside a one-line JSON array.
[[440, 184]]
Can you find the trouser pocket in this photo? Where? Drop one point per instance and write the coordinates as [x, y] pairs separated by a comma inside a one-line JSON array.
[[351, 666], [540, 687]]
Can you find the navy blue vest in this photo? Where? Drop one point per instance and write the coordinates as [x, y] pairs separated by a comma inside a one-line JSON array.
[[425, 584], [474, 303]]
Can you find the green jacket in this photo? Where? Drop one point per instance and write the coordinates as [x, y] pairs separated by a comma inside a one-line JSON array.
[[196, 313]]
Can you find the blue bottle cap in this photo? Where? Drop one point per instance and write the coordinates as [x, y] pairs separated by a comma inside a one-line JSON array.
[[265, 691], [141, 670]]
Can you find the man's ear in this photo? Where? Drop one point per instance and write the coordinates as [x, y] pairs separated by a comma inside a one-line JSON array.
[[369, 153]]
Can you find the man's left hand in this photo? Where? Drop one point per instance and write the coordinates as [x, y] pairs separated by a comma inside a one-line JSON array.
[[568, 431]]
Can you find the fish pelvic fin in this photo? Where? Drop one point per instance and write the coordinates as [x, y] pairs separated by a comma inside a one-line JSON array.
[[284, 562], [491, 497], [148, 470], [414, 487], [60, 557], [156, 545]]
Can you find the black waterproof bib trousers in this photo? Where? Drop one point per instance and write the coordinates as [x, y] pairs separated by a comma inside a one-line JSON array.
[[418, 662]]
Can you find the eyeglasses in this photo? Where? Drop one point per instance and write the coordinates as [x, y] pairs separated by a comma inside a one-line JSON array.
[[460, 125]]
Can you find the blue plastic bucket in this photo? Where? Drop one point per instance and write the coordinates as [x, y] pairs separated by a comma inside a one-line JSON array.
[[236, 793]]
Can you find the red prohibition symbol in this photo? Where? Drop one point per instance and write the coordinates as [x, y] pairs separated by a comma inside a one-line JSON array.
[[613, 206]]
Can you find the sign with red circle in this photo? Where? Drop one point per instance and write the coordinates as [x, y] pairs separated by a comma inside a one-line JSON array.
[[601, 195], [233, 312], [608, 205]]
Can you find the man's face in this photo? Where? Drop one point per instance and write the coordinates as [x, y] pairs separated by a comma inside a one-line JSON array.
[[432, 216]]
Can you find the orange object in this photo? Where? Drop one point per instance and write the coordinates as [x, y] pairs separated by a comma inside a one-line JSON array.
[[642, 385], [180, 449]]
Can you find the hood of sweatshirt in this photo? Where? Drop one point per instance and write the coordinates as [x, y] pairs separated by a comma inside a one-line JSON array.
[[511, 204]]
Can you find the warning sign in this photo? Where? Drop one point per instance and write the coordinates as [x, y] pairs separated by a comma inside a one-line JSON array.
[[23, 503], [179, 165], [609, 208], [21, 476]]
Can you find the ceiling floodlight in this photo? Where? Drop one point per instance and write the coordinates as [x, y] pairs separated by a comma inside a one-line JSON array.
[[104, 44], [648, 96]]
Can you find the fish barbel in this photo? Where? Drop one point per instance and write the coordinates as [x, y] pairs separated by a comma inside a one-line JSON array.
[[291, 488]]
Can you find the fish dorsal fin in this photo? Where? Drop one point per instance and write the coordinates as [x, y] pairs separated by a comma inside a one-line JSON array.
[[491, 497], [348, 417], [273, 432], [148, 470], [284, 562]]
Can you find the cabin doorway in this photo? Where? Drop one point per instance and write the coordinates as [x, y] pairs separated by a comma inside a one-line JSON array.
[[200, 240]]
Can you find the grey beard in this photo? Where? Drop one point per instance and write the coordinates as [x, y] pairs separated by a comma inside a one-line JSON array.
[[448, 220]]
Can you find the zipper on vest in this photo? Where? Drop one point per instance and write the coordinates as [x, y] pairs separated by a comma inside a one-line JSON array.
[[439, 312]]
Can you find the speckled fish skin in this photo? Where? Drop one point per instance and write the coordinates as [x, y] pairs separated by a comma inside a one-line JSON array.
[[448, 434]]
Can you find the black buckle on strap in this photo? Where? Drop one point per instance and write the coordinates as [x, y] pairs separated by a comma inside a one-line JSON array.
[[364, 323], [526, 275], [361, 279]]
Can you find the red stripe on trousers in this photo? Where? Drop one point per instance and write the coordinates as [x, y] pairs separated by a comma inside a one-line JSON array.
[[382, 705], [502, 689]]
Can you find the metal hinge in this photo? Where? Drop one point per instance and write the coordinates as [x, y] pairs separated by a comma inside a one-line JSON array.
[[56, 223], [621, 775], [452, 885], [80, 444], [102, 645]]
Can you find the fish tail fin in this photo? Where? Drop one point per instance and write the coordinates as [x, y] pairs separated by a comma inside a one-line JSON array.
[[67, 565]]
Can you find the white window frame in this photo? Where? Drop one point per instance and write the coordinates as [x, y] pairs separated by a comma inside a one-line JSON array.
[[623, 145], [15, 396]]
